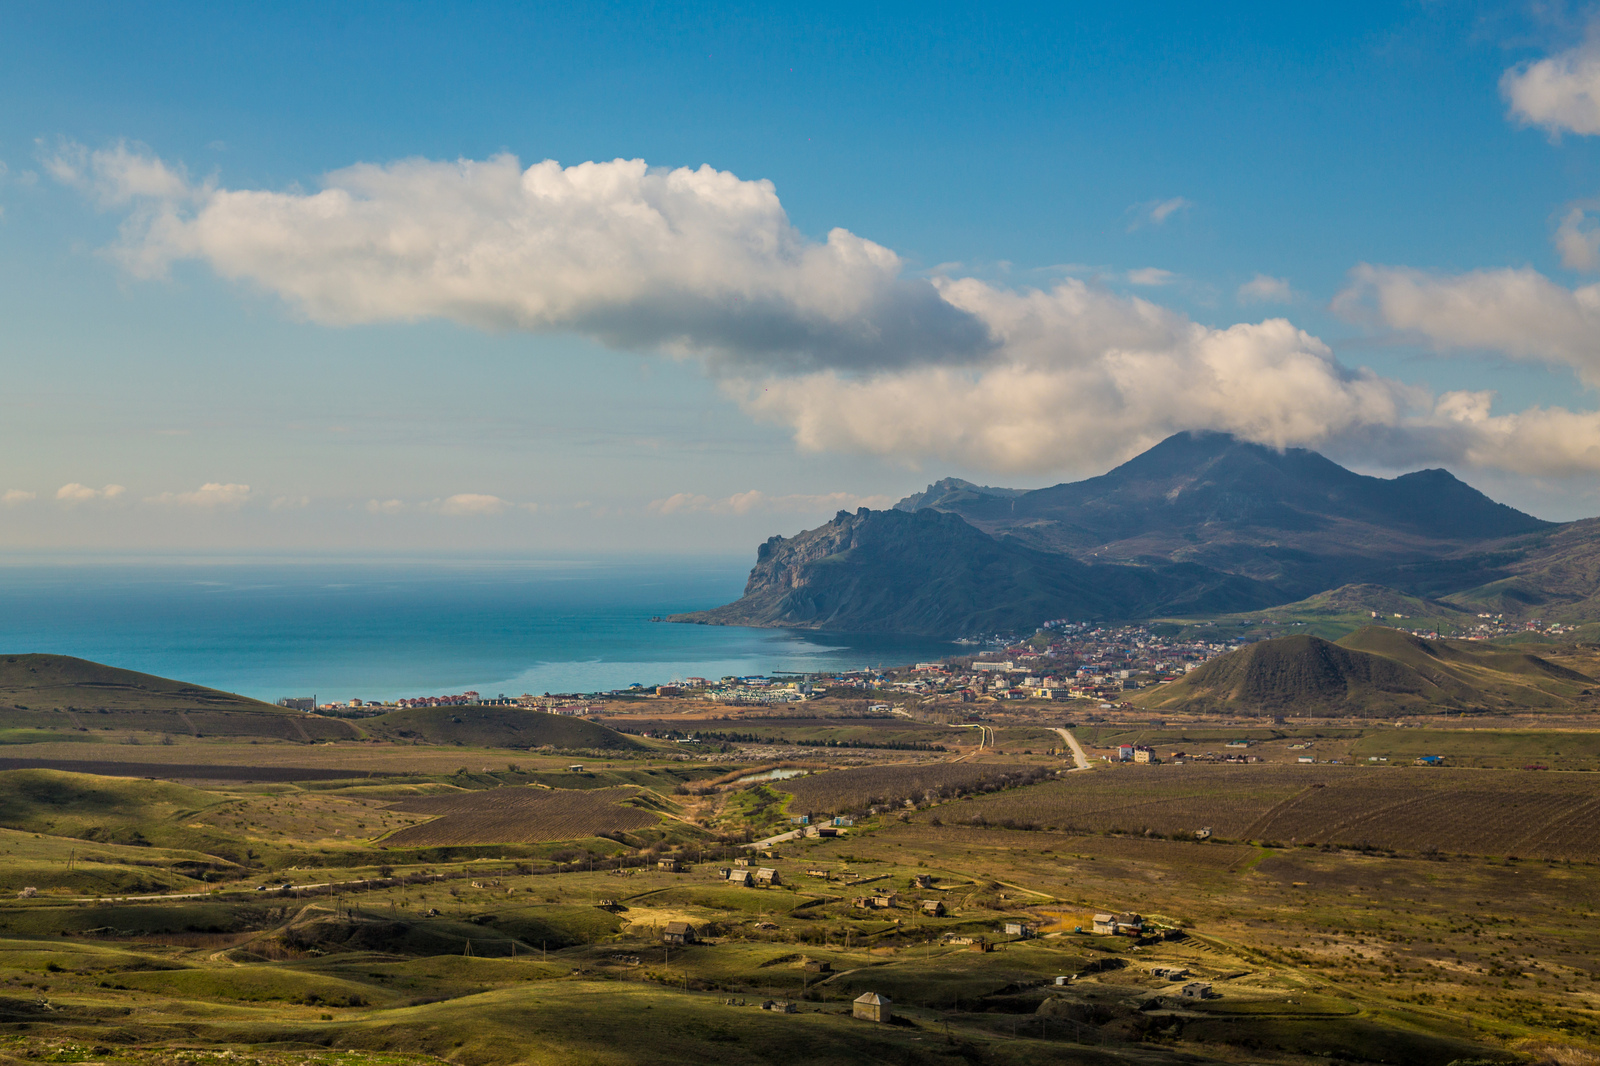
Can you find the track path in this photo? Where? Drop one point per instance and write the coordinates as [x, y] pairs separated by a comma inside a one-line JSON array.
[[1079, 756]]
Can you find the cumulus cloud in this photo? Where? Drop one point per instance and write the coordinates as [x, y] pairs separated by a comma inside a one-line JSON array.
[[757, 502], [212, 495], [835, 338], [694, 261], [73, 492], [1517, 312], [1578, 239], [1263, 289], [16, 496], [1560, 92], [468, 503], [385, 506]]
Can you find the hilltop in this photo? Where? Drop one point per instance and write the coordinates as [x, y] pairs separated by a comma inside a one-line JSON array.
[[1373, 673]]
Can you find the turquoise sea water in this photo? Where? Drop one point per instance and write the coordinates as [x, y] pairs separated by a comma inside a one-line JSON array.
[[378, 630]]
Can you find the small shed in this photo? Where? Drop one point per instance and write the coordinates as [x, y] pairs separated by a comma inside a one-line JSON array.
[[670, 865], [933, 908], [1197, 990], [679, 933], [742, 878], [817, 966], [871, 1007]]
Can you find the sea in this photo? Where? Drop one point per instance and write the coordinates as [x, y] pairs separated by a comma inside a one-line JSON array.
[[342, 628]]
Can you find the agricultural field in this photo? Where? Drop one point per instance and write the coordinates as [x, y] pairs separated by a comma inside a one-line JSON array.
[[523, 815], [406, 900], [1415, 810], [856, 789]]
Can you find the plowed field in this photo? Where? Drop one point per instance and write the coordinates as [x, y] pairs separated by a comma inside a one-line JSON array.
[[519, 816]]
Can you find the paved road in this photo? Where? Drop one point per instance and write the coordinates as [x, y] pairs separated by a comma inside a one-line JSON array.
[[1078, 754]]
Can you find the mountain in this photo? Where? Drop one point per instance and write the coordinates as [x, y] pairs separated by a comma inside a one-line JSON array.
[[1202, 524], [931, 573], [1292, 518], [1374, 672]]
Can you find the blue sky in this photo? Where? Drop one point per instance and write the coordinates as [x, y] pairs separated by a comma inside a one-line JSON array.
[[1069, 232]]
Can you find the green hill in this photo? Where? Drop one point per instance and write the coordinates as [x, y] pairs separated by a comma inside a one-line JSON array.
[[1375, 673], [118, 810], [58, 696], [496, 727]]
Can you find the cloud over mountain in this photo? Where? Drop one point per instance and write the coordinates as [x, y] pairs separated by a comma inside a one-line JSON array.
[[836, 338]]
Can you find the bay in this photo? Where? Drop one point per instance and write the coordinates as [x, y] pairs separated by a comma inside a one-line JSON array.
[[372, 629]]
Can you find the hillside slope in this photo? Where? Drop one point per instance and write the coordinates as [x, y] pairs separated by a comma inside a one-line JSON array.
[[1373, 673], [60, 694]]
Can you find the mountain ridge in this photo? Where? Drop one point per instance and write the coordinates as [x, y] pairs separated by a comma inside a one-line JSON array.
[[1202, 523]]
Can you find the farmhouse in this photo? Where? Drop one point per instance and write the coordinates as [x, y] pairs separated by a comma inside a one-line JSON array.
[[672, 866], [1022, 929], [742, 878], [679, 933], [933, 908], [1105, 925], [869, 1006], [768, 876]]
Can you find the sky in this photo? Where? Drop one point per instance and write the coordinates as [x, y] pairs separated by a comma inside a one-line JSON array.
[[527, 279]]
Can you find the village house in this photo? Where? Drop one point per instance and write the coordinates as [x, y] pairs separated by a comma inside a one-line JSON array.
[[1022, 929], [921, 881], [869, 1006], [672, 866], [933, 908], [1197, 990], [768, 876], [742, 878], [781, 1006], [741, 861], [678, 933]]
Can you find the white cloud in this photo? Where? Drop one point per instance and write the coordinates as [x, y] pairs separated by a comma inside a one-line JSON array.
[[117, 176], [1578, 239], [691, 261], [1518, 312], [1155, 212], [832, 338], [76, 493], [385, 506], [16, 496], [468, 503], [1560, 92], [757, 502], [211, 495], [1264, 289], [1151, 276]]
